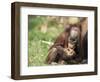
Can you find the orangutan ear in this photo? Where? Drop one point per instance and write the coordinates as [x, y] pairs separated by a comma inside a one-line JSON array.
[[79, 26], [67, 28]]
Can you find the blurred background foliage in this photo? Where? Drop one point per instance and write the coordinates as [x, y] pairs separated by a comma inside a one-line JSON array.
[[42, 32]]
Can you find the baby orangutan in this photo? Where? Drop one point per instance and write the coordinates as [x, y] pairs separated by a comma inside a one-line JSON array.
[[67, 53], [60, 54], [70, 50]]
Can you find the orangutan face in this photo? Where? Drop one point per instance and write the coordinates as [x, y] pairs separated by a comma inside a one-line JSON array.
[[74, 35]]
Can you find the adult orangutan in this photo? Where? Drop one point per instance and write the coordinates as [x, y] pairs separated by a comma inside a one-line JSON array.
[[67, 46]]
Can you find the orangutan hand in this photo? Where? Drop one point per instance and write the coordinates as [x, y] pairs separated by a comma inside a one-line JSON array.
[[69, 52]]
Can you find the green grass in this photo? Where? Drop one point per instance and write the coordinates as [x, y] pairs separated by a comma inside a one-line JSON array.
[[37, 50]]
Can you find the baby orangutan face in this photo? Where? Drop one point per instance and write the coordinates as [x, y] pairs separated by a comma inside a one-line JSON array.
[[71, 46], [70, 50]]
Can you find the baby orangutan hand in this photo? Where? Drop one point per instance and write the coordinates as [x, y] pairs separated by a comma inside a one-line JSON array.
[[69, 52]]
